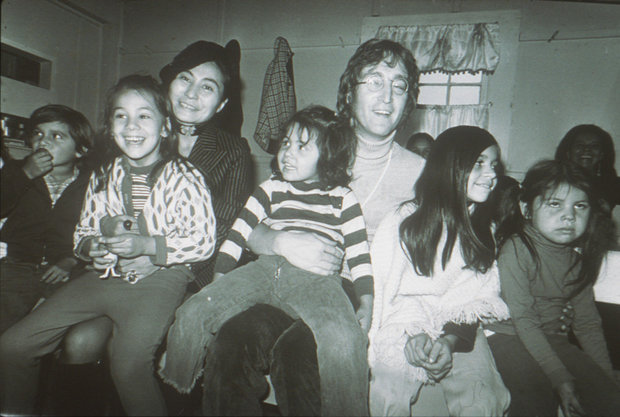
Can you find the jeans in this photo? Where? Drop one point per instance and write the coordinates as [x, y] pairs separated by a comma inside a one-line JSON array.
[[141, 314], [234, 374], [318, 300], [531, 390], [472, 388]]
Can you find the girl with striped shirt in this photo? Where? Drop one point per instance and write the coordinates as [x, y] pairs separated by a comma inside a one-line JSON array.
[[307, 193]]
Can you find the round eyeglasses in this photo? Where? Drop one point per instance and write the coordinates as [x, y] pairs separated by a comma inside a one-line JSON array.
[[375, 82]]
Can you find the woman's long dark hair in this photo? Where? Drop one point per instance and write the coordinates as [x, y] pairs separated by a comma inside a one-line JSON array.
[[106, 147], [541, 180], [441, 197]]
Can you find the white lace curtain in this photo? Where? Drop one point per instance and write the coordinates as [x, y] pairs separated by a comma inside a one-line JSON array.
[[451, 48]]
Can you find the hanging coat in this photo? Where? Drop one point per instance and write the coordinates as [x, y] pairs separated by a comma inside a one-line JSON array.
[[278, 101]]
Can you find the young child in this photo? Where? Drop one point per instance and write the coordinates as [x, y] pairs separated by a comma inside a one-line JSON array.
[[547, 268], [41, 201], [169, 206], [308, 193], [435, 280]]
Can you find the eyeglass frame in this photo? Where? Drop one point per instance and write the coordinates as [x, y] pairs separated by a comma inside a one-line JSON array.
[[379, 77]]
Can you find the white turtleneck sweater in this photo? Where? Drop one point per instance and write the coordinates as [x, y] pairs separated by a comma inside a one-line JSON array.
[[384, 174]]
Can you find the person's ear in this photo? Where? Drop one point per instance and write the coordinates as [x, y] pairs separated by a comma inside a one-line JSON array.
[[221, 106], [166, 128], [525, 211]]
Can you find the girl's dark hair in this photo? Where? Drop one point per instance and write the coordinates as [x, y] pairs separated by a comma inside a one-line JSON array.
[[79, 127], [336, 145], [441, 197], [562, 153], [503, 206], [372, 52], [541, 180], [106, 147]]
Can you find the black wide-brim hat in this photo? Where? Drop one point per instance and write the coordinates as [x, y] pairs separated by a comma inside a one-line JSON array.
[[195, 54]]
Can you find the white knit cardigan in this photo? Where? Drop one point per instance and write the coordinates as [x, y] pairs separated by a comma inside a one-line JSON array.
[[406, 303]]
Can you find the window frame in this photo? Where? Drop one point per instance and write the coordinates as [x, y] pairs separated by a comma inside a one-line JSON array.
[[483, 84]]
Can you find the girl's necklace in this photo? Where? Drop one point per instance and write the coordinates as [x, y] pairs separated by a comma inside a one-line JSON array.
[[387, 165]]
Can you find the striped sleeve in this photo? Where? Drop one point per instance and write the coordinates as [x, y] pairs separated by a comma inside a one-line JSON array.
[[357, 252], [257, 208]]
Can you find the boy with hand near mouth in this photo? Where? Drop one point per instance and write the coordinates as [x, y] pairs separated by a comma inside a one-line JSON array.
[[41, 200]]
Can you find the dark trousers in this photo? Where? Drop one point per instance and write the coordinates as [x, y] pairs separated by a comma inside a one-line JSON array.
[[263, 340], [20, 289], [530, 389]]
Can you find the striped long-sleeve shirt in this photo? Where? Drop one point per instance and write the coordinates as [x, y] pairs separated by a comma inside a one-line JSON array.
[[334, 214]]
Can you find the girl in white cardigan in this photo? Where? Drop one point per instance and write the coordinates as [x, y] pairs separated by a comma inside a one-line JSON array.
[[435, 280]]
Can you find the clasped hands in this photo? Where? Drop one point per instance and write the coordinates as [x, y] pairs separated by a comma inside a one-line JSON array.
[[433, 356], [126, 247]]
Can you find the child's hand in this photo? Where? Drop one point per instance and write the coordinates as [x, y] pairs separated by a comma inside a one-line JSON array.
[[439, 361], [59, 272], [418, 348], [38, 163], [130, 245], [435, 357], [364, 312], [99, 254], [568, 400]]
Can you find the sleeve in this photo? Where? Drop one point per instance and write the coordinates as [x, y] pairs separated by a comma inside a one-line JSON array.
[[13, 183], [588, 329], [237, 187], [356, 247], [192, 237], [257, 209], [93, 210], [514, 275]]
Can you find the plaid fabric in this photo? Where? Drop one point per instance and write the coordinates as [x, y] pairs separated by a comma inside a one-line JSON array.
[[278, 101]]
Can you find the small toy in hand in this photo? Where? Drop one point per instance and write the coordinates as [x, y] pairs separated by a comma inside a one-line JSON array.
[[110, 271]]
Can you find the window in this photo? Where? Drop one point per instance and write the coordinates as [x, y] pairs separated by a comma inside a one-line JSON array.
[[439, 88]]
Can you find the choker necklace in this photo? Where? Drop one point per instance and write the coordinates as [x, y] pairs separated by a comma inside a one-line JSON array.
[[187, 130]]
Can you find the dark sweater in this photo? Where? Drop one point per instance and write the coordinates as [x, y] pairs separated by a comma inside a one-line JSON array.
[[536, 298], [33, 229]]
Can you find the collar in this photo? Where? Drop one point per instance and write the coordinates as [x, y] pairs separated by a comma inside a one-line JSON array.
[[374, 149]]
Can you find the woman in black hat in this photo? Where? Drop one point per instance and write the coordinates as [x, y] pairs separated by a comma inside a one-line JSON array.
[[201, 81]]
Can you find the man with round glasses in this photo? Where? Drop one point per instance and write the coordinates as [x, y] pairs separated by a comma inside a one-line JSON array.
[[377, 90]]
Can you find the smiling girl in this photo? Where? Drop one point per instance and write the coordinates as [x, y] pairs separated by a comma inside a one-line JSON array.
[[435, 281], [169, 207]]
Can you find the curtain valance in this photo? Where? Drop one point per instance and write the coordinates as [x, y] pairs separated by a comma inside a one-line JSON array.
[[451, 48]]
